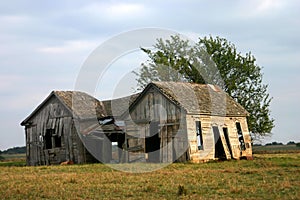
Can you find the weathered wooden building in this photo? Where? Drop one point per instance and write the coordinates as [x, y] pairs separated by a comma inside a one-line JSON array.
[[65, 126], [166, 122], [174, 121]]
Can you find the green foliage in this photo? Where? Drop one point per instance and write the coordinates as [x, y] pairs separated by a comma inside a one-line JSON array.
[[274, 143], [291, 143], [243, 82], [212, 61]]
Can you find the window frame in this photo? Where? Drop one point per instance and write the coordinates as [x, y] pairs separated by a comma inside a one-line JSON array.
[[240, 135], [52, 140], [199, 135]]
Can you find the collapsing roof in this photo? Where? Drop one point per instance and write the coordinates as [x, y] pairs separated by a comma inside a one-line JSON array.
[[194, 98], [116, 107], [82, 105]]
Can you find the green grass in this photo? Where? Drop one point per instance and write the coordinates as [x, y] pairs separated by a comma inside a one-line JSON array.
[[9, 157], [268, 176], [12, 163], [13, 160]]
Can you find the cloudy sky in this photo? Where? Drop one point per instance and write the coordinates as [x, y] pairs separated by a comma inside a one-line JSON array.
[[43, 45]]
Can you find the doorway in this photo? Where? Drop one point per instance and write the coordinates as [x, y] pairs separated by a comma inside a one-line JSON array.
[[219, 148], [152, 143]]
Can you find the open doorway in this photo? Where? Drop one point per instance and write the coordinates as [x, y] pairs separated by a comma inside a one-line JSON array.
[[116, 141], [219, 148], [152, 143]]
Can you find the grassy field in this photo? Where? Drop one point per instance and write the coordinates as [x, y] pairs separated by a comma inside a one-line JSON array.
[[268, 176], [276, 149]]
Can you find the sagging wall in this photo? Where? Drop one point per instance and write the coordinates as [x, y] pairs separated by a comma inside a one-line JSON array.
[[51, 137], [231, 144]]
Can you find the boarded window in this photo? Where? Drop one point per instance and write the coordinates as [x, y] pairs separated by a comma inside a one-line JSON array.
[[240, 135], [199, 135]]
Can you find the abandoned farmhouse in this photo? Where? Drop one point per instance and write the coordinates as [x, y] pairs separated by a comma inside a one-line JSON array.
[[166, 122]]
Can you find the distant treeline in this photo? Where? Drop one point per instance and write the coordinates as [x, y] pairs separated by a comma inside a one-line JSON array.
[[14, 150], [279, 143]]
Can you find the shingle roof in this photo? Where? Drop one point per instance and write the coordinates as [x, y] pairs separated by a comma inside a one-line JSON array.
[[116, 107], [201, 98], [84, 106], [80, 105], [194, 98]]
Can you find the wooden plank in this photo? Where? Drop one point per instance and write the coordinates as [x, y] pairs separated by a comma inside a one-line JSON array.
[[169, 144], [29, 134], [51, 111], [49, 124], [42, 123], [55, 110], [27, 146], [78, 148], [47, 159], [35, 150], [225, 145], [60, 129], [38, 124], [151, 104], [56, 125], [74, 142], [163, 147], [68, 138], [53, 123]]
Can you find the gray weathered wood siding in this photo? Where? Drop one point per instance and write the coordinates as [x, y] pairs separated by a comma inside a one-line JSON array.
[[159, 127], [177, 130], [154, 107], [53, 116]]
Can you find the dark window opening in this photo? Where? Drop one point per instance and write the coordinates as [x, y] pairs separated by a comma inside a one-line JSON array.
[[48, 139], [240, 135], [51, 140], [199, 135], [57, 141]]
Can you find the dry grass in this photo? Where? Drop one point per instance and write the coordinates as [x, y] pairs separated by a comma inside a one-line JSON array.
[[266, 177]]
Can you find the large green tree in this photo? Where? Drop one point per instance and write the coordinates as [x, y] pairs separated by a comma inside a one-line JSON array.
[[212, 61]]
